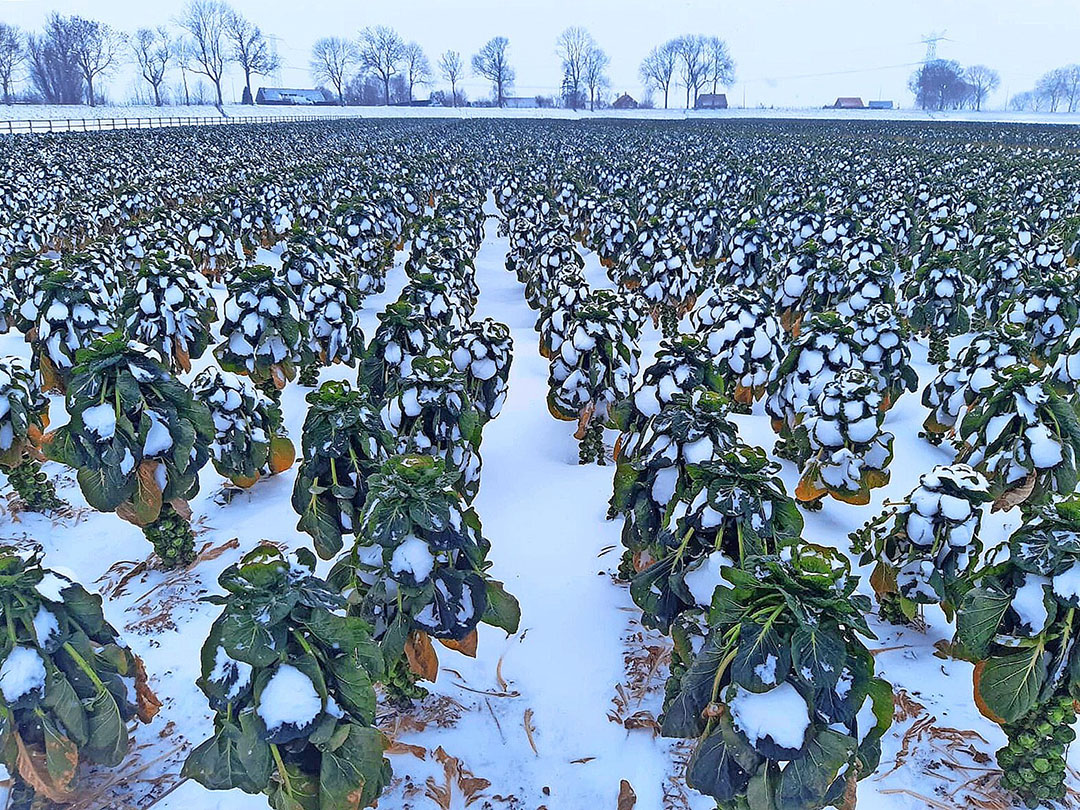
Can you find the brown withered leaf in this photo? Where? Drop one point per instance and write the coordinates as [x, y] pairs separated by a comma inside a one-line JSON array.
[[421, 656], [466, 646], [33, 769], [627, 797], [1015, 496], [147, 704]]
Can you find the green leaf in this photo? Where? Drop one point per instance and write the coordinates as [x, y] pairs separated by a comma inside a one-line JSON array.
[[979, 617], [107, 743], [104, 489], [682, 718], [354, 689], [820, 651], [715, 770], [61, 699], [219, 764], [761, 652], [246, 639], [806, 780], [354, 773], [503, 610], [1007, 686]]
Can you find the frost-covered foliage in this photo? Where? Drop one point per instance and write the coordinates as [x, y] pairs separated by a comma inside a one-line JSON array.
[[431, 412], [312, 257], [401, 337], [68, 685], [343, 443], [926, 547], [722, 509], [212, 245], [652, 462], [825, 347], [680, 367], [435, 303], [1000, 272], [971, 373], [483, 351], [885, 353], [137, 439], [331, 311], [170, 308], [369, 237], [1019, 625], [938, 295], [67, 315], [593, 371], [1047, 312], [744, 340], [749, 260], [668, 281], [848, 452], [782, 695], [24, 415], [290, 679], [796, 288], [262, 335], [417, 569], [1023, 436], [249, 438]]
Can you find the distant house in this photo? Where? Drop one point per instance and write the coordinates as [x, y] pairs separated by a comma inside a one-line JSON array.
[[847, 103], [520, 102], [711, 101], [879, 105], [286, 96], [624, 102]]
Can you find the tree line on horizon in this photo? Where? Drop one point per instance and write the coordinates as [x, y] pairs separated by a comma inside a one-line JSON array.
[[69, 59]]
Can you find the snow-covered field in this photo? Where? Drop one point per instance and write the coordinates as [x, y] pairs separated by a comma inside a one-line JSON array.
[[559, 714], [73, 116]]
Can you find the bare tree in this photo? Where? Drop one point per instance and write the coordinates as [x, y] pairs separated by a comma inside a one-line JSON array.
[[572, 47], [983, 82], [250, 50], [11, 56], [493, 64], [54, 68], [1051, 88], [417, 67], [658, 68], [331, 58], [719, 66], [381, 52], [596, 78], [97, 51], [154, 49], [1070, 78], [692, 64], [206, 21], [451, 67]]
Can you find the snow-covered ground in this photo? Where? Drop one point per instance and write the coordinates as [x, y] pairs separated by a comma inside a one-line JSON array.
[[557, 715], [80, 117]]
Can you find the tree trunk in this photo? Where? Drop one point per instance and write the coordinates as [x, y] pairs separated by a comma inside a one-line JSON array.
[[247, 84], [157, 96], [665, 96], [453, 93], [217, 86], [340, 97], [90, 90], [386, 90]]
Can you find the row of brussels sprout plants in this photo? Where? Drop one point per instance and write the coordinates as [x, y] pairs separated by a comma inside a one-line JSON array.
[[816, 315], [391, 462], [787, 266]]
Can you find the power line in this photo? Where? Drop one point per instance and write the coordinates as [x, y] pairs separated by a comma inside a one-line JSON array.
[[832, 73]]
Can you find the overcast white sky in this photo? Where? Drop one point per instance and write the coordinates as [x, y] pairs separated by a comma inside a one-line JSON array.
[[788, 52]]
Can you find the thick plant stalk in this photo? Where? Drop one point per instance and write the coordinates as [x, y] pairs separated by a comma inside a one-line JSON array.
[[669, 321], [939, 348], [33, 486], [592, 445], [172, 538]]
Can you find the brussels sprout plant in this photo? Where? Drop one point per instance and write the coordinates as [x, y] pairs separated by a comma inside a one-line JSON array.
[[290, 679], [25, 415]]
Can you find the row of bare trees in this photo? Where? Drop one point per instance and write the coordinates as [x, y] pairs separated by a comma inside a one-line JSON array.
[[67, 58], [380, 54], [1057, 90], [694, 61]]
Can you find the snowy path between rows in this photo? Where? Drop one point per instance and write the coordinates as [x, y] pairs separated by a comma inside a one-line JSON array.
[[545, 518]]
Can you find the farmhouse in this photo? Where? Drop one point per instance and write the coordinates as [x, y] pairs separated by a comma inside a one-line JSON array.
[[520, 102], [711, 101], [879, 105], [847, 103], [285, 96], [624, 102]]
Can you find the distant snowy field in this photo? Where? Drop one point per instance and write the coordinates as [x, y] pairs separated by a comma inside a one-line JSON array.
[[98, 117]]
